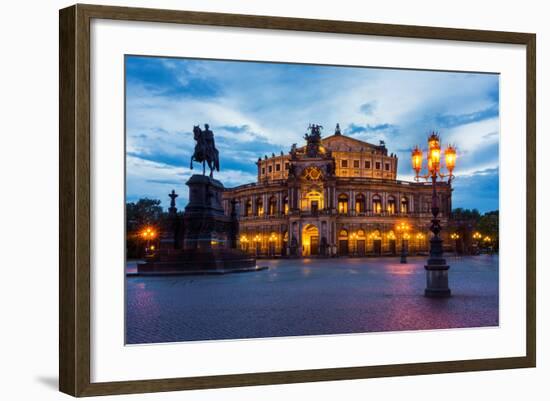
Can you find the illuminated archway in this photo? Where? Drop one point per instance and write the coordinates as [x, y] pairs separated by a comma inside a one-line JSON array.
[[310, 240], [343, 242], [313, 201]]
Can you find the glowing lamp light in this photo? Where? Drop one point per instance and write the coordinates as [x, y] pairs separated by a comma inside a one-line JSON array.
[[434, 153], [477, 236], [434, 158], [416, 159], [433, 141], [487, 239], [450, 158], [403, 227], [148, 233]]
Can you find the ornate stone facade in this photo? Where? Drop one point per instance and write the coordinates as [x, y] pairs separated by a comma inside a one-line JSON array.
[[335, 196]]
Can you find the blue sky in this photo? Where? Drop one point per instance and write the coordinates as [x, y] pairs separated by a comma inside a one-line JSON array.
[[259, 108]]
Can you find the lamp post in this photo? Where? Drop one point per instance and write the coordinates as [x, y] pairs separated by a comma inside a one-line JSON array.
[[455, 237], [487, 242], [353, 238], [272, 244], [437, 279], [244, 243], [148, 234], [257, 241], [477, 236], [403, 228], [419, 240]]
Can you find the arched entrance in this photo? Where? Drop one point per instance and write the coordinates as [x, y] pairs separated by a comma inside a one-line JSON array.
[[310, 240], [343, 243]]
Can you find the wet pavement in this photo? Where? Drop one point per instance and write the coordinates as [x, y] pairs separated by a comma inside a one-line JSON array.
[[310, 297]]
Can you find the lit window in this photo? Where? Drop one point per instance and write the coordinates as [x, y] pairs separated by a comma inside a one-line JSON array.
[[344, 163], [259, 207], [404, 205], [343, 204], [360, 203], [378, 165], [367, 164], [248, 208], [376, 204], [272, 206], [391, 205], [356, 164]]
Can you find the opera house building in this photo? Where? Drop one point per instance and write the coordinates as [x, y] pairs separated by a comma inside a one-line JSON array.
[[335, 196]]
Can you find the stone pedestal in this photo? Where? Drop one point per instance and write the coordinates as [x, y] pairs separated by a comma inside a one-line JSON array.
[[205, 225], [209, 237], [437, 271]]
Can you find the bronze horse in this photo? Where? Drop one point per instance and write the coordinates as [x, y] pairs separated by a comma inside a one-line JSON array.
[[205, 150]]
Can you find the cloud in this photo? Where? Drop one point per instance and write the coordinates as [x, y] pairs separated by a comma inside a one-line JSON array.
[[262, 108], [368, 108], [478, 190], [454, 120]]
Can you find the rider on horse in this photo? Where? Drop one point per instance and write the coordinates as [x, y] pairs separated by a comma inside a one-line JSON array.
[[205, 149]]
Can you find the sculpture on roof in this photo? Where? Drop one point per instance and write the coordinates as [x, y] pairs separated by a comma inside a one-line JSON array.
[[313, 139]]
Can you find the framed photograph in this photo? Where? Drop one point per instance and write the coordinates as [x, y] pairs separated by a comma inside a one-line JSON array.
[[249, 200]]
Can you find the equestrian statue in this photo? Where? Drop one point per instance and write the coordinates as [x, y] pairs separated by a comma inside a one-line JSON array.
[[205, 150]]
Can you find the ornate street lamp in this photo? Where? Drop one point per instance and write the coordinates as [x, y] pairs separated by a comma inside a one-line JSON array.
[[436, 266], [403, 228]]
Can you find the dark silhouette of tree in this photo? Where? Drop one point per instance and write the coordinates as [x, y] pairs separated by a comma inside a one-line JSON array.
[[466, 214], [488, 226], [143, 213]]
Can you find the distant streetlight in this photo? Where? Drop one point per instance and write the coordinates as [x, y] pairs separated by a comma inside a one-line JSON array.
[[487, 240], [436, 267], [477, 237], [148, 234], [403, 228], [353, 238], [419, 239], [257, 240], [455, 237]]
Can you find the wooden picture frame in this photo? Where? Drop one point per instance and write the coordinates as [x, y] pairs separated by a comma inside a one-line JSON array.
[[74, 204]]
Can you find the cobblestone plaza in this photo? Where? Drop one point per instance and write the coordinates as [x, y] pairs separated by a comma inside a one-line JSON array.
[[297, 297]]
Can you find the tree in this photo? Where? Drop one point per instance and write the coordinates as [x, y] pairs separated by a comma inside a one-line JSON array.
[[142, 213], [466, 214], [145, 212], [488, 225]]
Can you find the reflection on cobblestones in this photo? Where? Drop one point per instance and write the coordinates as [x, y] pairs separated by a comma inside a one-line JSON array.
[[310, 297]]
